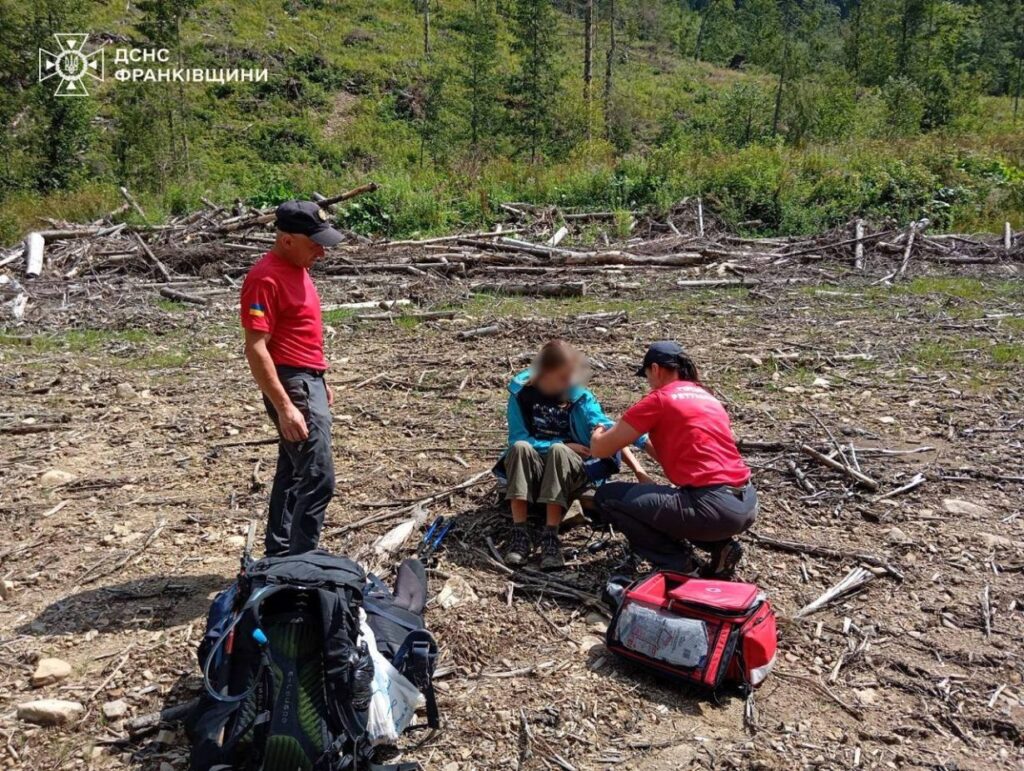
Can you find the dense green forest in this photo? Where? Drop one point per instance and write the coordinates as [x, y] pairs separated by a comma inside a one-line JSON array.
[[785, 115]]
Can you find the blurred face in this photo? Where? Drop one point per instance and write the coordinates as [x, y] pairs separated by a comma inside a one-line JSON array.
[[298, 249], [557, 381]]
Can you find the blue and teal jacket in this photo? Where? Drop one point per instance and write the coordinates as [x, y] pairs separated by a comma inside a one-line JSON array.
[[585, 414]]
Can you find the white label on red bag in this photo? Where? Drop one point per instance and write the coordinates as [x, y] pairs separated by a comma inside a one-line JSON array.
[[663, 636], [758, 674]]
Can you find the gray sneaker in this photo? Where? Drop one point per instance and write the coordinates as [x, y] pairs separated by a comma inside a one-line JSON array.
[[551, 552], [520, 547]]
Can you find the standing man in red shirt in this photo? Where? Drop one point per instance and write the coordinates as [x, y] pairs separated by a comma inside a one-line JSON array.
[[284, 344], [710, 500]]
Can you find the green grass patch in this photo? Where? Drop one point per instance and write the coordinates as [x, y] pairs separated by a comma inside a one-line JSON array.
[[1008, 353], [158, 360], [510, 306], [1014, 323], [960, 287], [339, 315], [171, 306], [78, 340]]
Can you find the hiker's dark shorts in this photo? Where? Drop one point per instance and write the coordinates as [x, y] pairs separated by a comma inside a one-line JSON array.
[[657, 517]]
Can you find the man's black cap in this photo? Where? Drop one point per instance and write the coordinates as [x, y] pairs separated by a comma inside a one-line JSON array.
[[308, 219], [664, 352]]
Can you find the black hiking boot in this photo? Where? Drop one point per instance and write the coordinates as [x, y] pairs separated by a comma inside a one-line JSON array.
[[725, 557], [520, 547], [551, 551]]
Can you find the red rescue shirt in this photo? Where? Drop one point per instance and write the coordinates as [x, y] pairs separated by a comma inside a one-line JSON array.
[[692, 435], [279, 298]]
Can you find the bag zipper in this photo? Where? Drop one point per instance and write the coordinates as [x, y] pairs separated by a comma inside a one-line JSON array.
[[711, 609]]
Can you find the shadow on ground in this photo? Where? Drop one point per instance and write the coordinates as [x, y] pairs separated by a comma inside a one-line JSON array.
[[156, 602]]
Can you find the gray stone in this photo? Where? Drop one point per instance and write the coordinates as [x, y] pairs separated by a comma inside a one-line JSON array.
[[49, 711], [895, 535], [115, 710], [50, 671], [965, 508], [56, 477]]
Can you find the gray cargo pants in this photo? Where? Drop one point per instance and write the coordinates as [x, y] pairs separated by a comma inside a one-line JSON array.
[[657, 518], [304, 481], [559, 477]]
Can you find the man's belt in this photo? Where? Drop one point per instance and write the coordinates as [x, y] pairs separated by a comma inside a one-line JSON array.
[[289, 369]]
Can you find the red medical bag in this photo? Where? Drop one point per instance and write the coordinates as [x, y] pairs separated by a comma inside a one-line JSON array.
[[702, 631]]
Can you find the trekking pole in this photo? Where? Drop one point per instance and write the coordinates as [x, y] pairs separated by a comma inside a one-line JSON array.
[[250, 539]]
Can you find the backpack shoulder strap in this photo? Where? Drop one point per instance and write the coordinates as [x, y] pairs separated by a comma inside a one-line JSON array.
[[378, 609], [416, 659]]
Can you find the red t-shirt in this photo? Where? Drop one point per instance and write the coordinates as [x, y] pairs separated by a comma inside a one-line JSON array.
[[691, 433], [279, 298]]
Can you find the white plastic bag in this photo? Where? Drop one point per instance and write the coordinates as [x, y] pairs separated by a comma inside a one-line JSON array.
[[394, 700]]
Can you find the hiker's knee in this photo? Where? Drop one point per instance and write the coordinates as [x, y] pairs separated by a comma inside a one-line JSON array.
[[560, 452], [521, 449]]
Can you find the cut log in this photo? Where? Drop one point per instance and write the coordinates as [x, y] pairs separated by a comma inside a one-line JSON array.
[[469, 334], [858, 247], [566, 289], [625, 258], [34, 248], [367, 305], [182, 297], [556, 239], [712, 283]]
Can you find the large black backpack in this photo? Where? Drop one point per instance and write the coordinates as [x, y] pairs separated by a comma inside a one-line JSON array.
[[286, 683]]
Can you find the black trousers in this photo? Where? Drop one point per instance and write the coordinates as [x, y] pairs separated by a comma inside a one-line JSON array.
[[659, 519], [304, 481]]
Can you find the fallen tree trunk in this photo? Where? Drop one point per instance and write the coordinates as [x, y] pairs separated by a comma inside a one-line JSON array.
[[567, 289], [173, 294], [625, 258]]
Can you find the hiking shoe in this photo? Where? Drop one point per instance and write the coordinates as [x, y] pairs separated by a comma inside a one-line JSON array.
[[724, 559], [551, 552], [681, 560], [520, 547]]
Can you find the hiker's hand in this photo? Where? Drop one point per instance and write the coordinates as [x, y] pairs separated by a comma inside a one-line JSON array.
[[293, 424], [579, 449], [330, 395], [644, 478]]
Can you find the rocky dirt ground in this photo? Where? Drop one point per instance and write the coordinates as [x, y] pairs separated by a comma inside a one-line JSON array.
[[134, 451]]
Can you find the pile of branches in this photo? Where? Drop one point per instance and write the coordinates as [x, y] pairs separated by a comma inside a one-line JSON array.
[[526, 254], [205, 243]]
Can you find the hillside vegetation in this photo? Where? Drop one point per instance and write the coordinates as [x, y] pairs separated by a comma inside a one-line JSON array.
[[786, 117]]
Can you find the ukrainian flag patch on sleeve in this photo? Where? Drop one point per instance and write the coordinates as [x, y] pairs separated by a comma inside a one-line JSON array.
[[257, 310]]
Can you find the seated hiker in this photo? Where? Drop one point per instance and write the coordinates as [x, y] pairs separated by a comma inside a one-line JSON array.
[[710, 500], [550, 420]]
